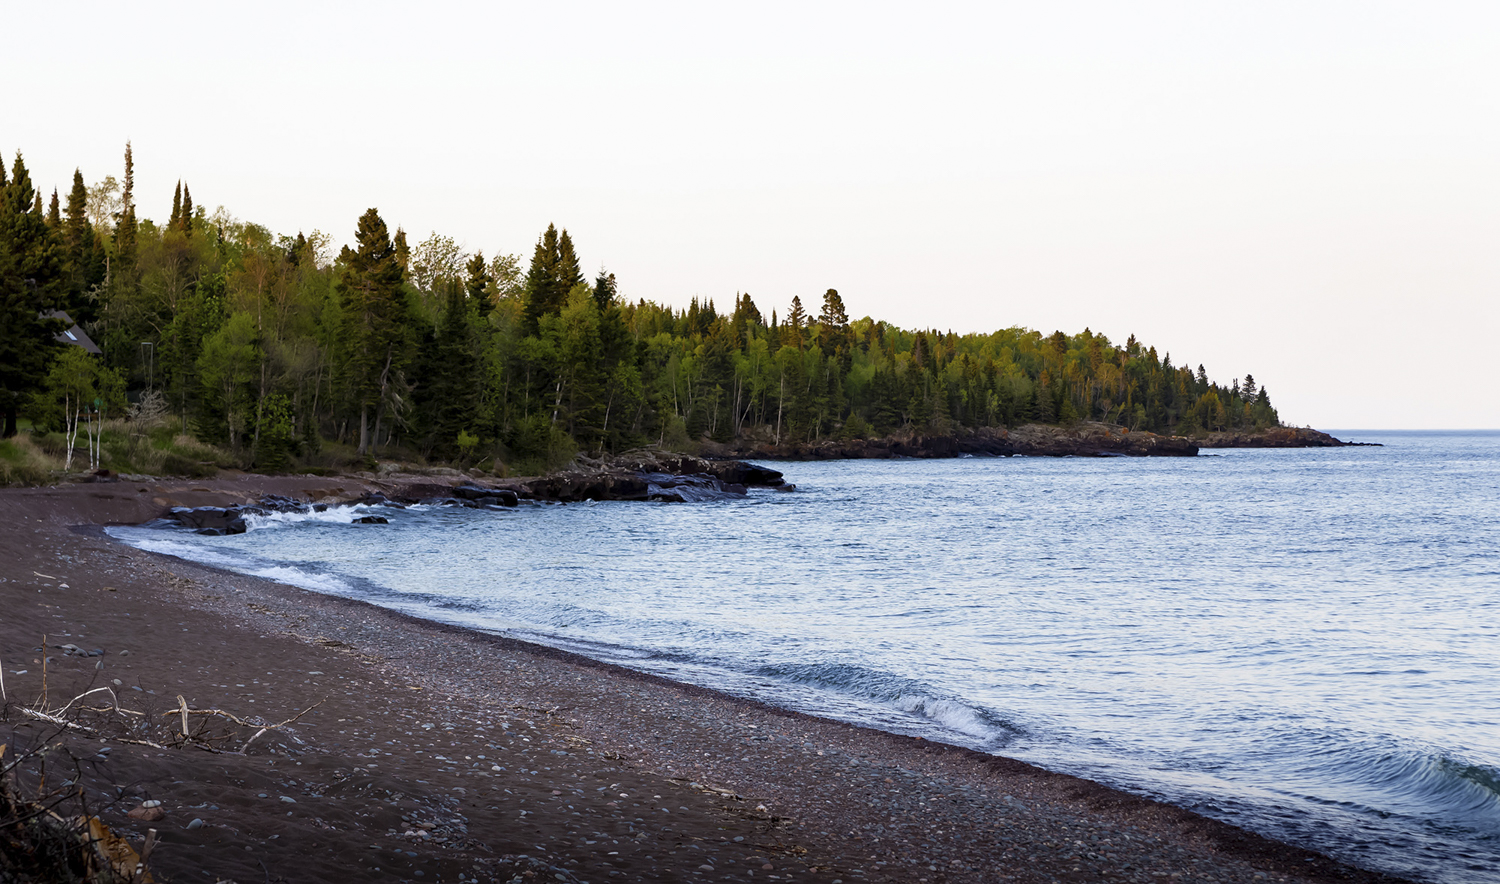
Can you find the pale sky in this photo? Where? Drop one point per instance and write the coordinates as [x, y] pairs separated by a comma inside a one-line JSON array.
[[1306, 191]]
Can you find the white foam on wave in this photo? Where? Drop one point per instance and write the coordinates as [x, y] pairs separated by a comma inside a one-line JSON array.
[[326, 584], [155, 540], [950, 714], [334, 515]]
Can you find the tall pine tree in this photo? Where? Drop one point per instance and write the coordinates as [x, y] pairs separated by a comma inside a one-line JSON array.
[[553, 273], [30, 284], [374, 333]]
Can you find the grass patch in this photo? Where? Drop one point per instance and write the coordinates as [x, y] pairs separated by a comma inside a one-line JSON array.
[[23, 463]]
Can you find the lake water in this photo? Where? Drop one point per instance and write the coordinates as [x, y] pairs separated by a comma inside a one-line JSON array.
[[1305, 643]]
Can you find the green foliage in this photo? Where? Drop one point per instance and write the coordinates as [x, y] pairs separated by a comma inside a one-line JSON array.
[[31, 282], [286, 358], [855, 427], [537, 446], [278, 441], [376, 328], [466, 443], [22, 463], [79, 392]]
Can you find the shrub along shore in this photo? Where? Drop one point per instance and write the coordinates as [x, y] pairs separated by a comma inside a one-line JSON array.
[[421, 752]]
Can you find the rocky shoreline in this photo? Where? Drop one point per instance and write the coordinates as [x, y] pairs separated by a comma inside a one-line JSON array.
[[1088, 439], [651, 475], [635, 476]]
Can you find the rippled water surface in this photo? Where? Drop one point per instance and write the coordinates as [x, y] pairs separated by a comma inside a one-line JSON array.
[[1305, 643]]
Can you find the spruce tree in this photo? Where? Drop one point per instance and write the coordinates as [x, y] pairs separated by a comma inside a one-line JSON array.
[[54, 214], [553, 274], [791, 329], [82, 261], [78, 227], [568, 272], [403, 252], [605, 290], [125, 229], [185, 222], [833, 332], [175, 222], [477, 283], [374, 320], [30, 284], [541, 282], [449, 384]]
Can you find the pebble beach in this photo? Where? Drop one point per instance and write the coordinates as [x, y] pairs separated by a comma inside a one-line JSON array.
[[415, 751]]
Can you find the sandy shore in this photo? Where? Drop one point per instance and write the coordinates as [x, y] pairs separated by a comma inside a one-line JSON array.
[[439, 754]]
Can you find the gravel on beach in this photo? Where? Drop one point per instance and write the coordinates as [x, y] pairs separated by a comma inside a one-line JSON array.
[[433, 753]]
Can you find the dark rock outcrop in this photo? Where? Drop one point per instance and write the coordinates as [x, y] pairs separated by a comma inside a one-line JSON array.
[[210, 520], [635, 475], [487, 496], [1278, 437]]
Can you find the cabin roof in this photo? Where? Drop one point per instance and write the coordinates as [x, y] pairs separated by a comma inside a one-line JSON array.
[[73, 334]]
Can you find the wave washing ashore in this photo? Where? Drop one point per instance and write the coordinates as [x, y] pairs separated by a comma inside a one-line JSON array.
[[1284, 639]]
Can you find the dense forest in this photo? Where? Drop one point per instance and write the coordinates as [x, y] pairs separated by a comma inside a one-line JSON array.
[[273, 347]]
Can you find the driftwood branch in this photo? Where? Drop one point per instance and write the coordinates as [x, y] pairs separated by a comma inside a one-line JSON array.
[[272, 727]]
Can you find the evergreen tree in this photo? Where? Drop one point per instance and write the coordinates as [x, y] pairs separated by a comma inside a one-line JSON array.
[[791, 330], [448, 385], [569, 273], [541, 281], [605, 290], [79, 231], [374, 321], [833, 328], [552, 276], [81, 252], [477, 283], [125, 230], [403, 252], [30, 283], [185, 223], [175, 222]]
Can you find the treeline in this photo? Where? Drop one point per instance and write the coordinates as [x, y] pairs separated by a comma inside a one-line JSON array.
[[273, 345]]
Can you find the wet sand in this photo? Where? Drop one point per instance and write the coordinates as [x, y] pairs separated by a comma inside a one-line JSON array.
[[434, 753]]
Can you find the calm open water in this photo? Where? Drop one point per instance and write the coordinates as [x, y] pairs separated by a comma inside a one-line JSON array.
[[1305, 643]]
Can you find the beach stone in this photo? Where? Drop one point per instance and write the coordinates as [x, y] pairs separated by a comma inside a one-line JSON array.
[[372, 520], [195, 824], [147, 814]]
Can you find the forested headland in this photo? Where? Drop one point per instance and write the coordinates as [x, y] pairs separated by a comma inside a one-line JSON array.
[[279, 352]]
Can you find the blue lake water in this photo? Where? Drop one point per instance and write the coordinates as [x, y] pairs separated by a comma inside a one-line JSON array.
[[1305, 643]]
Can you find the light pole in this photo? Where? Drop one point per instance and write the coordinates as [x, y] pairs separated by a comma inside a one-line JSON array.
[[148, 355]]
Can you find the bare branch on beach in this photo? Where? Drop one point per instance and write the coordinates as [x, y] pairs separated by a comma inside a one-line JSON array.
[[272, 727]]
